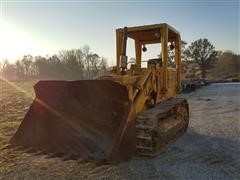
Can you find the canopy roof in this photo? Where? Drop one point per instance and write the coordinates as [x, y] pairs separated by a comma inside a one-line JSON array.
[[147, 34]]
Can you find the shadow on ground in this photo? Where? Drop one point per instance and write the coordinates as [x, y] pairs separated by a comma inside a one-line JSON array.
[[194, 156]]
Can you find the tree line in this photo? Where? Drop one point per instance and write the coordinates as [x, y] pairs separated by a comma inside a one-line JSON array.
[[84, 64], [209, 62], [67, 64]]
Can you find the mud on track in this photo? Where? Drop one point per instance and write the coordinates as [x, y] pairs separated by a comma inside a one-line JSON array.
[[209, 150]]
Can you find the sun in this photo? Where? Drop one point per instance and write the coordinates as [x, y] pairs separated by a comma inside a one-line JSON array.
[[14, 43]]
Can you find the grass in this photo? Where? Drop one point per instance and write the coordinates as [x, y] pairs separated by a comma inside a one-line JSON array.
[[15, 100]]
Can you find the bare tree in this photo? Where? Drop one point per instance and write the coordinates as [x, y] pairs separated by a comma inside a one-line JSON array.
[[8, 70], [27, 62], [227, 65], [68, 64], [87, 56], [19, 69]]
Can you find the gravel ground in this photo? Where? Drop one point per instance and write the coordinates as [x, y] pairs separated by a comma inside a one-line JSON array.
[[209, 150]]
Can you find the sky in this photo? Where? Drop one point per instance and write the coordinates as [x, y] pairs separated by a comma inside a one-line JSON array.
[[44, 27]]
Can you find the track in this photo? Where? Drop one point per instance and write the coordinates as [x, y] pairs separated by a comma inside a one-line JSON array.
[[161, 125]]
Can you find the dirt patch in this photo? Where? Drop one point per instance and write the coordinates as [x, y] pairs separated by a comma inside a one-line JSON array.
[[209, 150]]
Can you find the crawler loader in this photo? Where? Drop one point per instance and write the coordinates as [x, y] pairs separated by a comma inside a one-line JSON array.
[[130, 110]]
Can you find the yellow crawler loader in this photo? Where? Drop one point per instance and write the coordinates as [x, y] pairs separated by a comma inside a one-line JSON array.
[[131, 109]]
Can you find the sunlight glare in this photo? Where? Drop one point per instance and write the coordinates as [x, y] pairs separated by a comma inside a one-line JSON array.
[[15, 43], [29, 95]]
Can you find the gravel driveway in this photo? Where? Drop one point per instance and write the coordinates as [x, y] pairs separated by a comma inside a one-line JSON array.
[[209, 150]]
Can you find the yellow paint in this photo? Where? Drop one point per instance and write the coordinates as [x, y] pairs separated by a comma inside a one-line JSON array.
[[159, 79]]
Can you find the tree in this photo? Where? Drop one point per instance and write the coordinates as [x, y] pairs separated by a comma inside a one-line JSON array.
[[203, 53], [103, 64], [171, 53], [19, 69], [68, 64], [27, 62], [8, 70], [228, 65], [42, 67], [87, 55], [56, 67], [92, 62], [183, 50]]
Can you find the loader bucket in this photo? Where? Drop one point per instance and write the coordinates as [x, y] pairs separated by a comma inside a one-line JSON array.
[[90, 119]]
